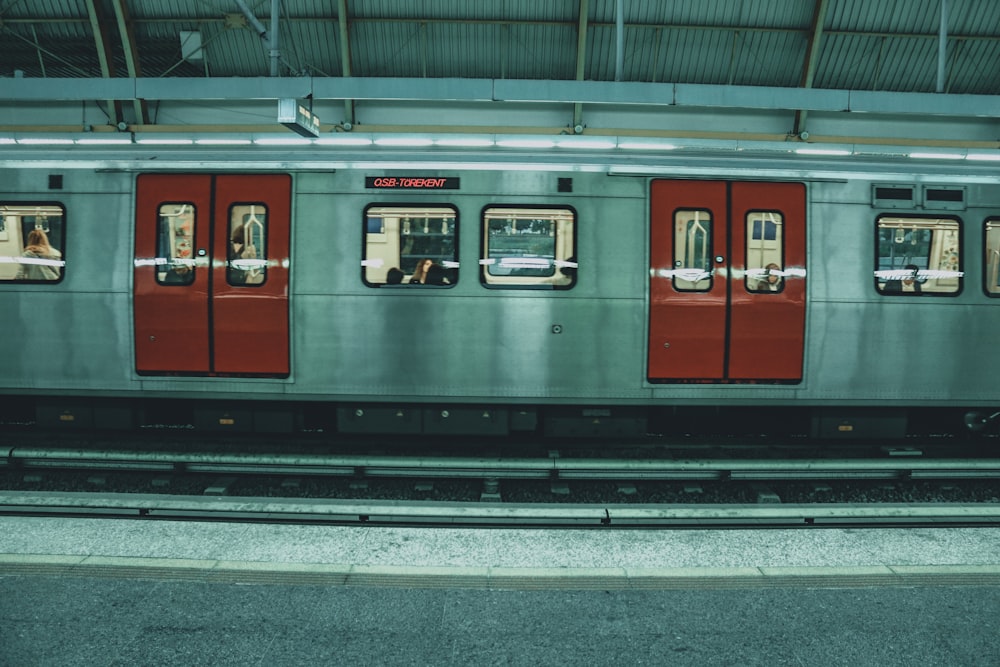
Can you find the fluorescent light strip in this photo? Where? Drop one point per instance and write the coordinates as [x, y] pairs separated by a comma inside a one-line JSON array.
[[404, 142], [343, 141], [639, 145], [581, 142], [282, 141], [822, 151], [223, 142], [464, 142], [937, 156], [44, 141], [526, 143], [6, 141], [983, 157], [102, 141], [165, 142]]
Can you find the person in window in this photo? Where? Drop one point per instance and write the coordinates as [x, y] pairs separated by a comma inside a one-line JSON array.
[[40, 261], [771, 280], [242, 273], [420, 273], [436, 275], [907, 284], [178, 274], [237, 273], [394, 276]]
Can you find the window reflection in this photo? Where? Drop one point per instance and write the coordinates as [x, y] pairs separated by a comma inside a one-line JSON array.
[[529, 247]]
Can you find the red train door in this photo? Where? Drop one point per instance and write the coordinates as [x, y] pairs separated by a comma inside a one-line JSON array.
[[727, 290], [211, 274]]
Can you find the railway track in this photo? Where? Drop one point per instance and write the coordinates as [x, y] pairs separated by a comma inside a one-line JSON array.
[[540, 490]]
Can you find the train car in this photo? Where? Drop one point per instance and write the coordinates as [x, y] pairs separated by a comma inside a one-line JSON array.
[[246, 295]]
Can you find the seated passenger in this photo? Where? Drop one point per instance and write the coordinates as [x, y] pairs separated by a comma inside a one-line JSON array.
[[394, 276], [436, 275], [420, 273], [241, 271], [42, 260]]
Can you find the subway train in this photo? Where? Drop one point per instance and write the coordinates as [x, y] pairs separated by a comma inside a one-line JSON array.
[[570, 300]]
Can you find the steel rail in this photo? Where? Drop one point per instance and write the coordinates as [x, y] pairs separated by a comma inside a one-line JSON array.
[[504, 468], [335, 511]]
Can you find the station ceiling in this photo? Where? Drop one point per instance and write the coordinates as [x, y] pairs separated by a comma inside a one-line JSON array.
[[929, 59]]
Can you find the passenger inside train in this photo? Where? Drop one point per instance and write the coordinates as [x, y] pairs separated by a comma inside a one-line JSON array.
[[39, 261]]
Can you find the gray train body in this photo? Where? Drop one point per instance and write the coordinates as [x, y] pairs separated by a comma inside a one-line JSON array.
[[477, 360]]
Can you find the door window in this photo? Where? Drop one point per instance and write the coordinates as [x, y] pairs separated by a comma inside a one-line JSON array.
[[175, 263], [693, 259], [246, 262], [765, 256]]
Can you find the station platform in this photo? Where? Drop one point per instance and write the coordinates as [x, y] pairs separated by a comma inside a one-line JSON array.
[[123, 591]]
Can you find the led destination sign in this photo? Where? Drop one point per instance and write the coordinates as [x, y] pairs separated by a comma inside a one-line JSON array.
[[411, 183]]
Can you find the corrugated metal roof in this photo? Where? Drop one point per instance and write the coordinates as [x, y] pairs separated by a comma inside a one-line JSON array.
[[889, 45]]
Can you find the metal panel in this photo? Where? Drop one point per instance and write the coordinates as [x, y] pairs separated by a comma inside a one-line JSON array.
[[716, 329]]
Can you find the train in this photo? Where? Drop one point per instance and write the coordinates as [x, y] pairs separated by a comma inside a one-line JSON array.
[[430, 298]]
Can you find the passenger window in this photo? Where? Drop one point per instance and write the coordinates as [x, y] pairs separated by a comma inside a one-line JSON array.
[[410, 245], [693, 259], [918, 256], [765, 252], [175, 244], [246, 261], [992, 263], [529, 247], [32, 243]]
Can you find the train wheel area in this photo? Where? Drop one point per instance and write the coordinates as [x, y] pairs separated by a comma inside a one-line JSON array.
[[499, 422]]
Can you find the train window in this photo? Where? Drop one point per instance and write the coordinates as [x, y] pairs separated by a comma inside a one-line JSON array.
[[765, 261], [918, 255], [174, 244], [992, 264], [246, 262], [693, 259], [32, 242], [528, 247], [410, 245]]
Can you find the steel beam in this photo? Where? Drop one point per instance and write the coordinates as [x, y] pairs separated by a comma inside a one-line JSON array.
[[345, 55], [812, 59], [131, 56], [581, 56], [495, 90], [942, 46], [104, 58]]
